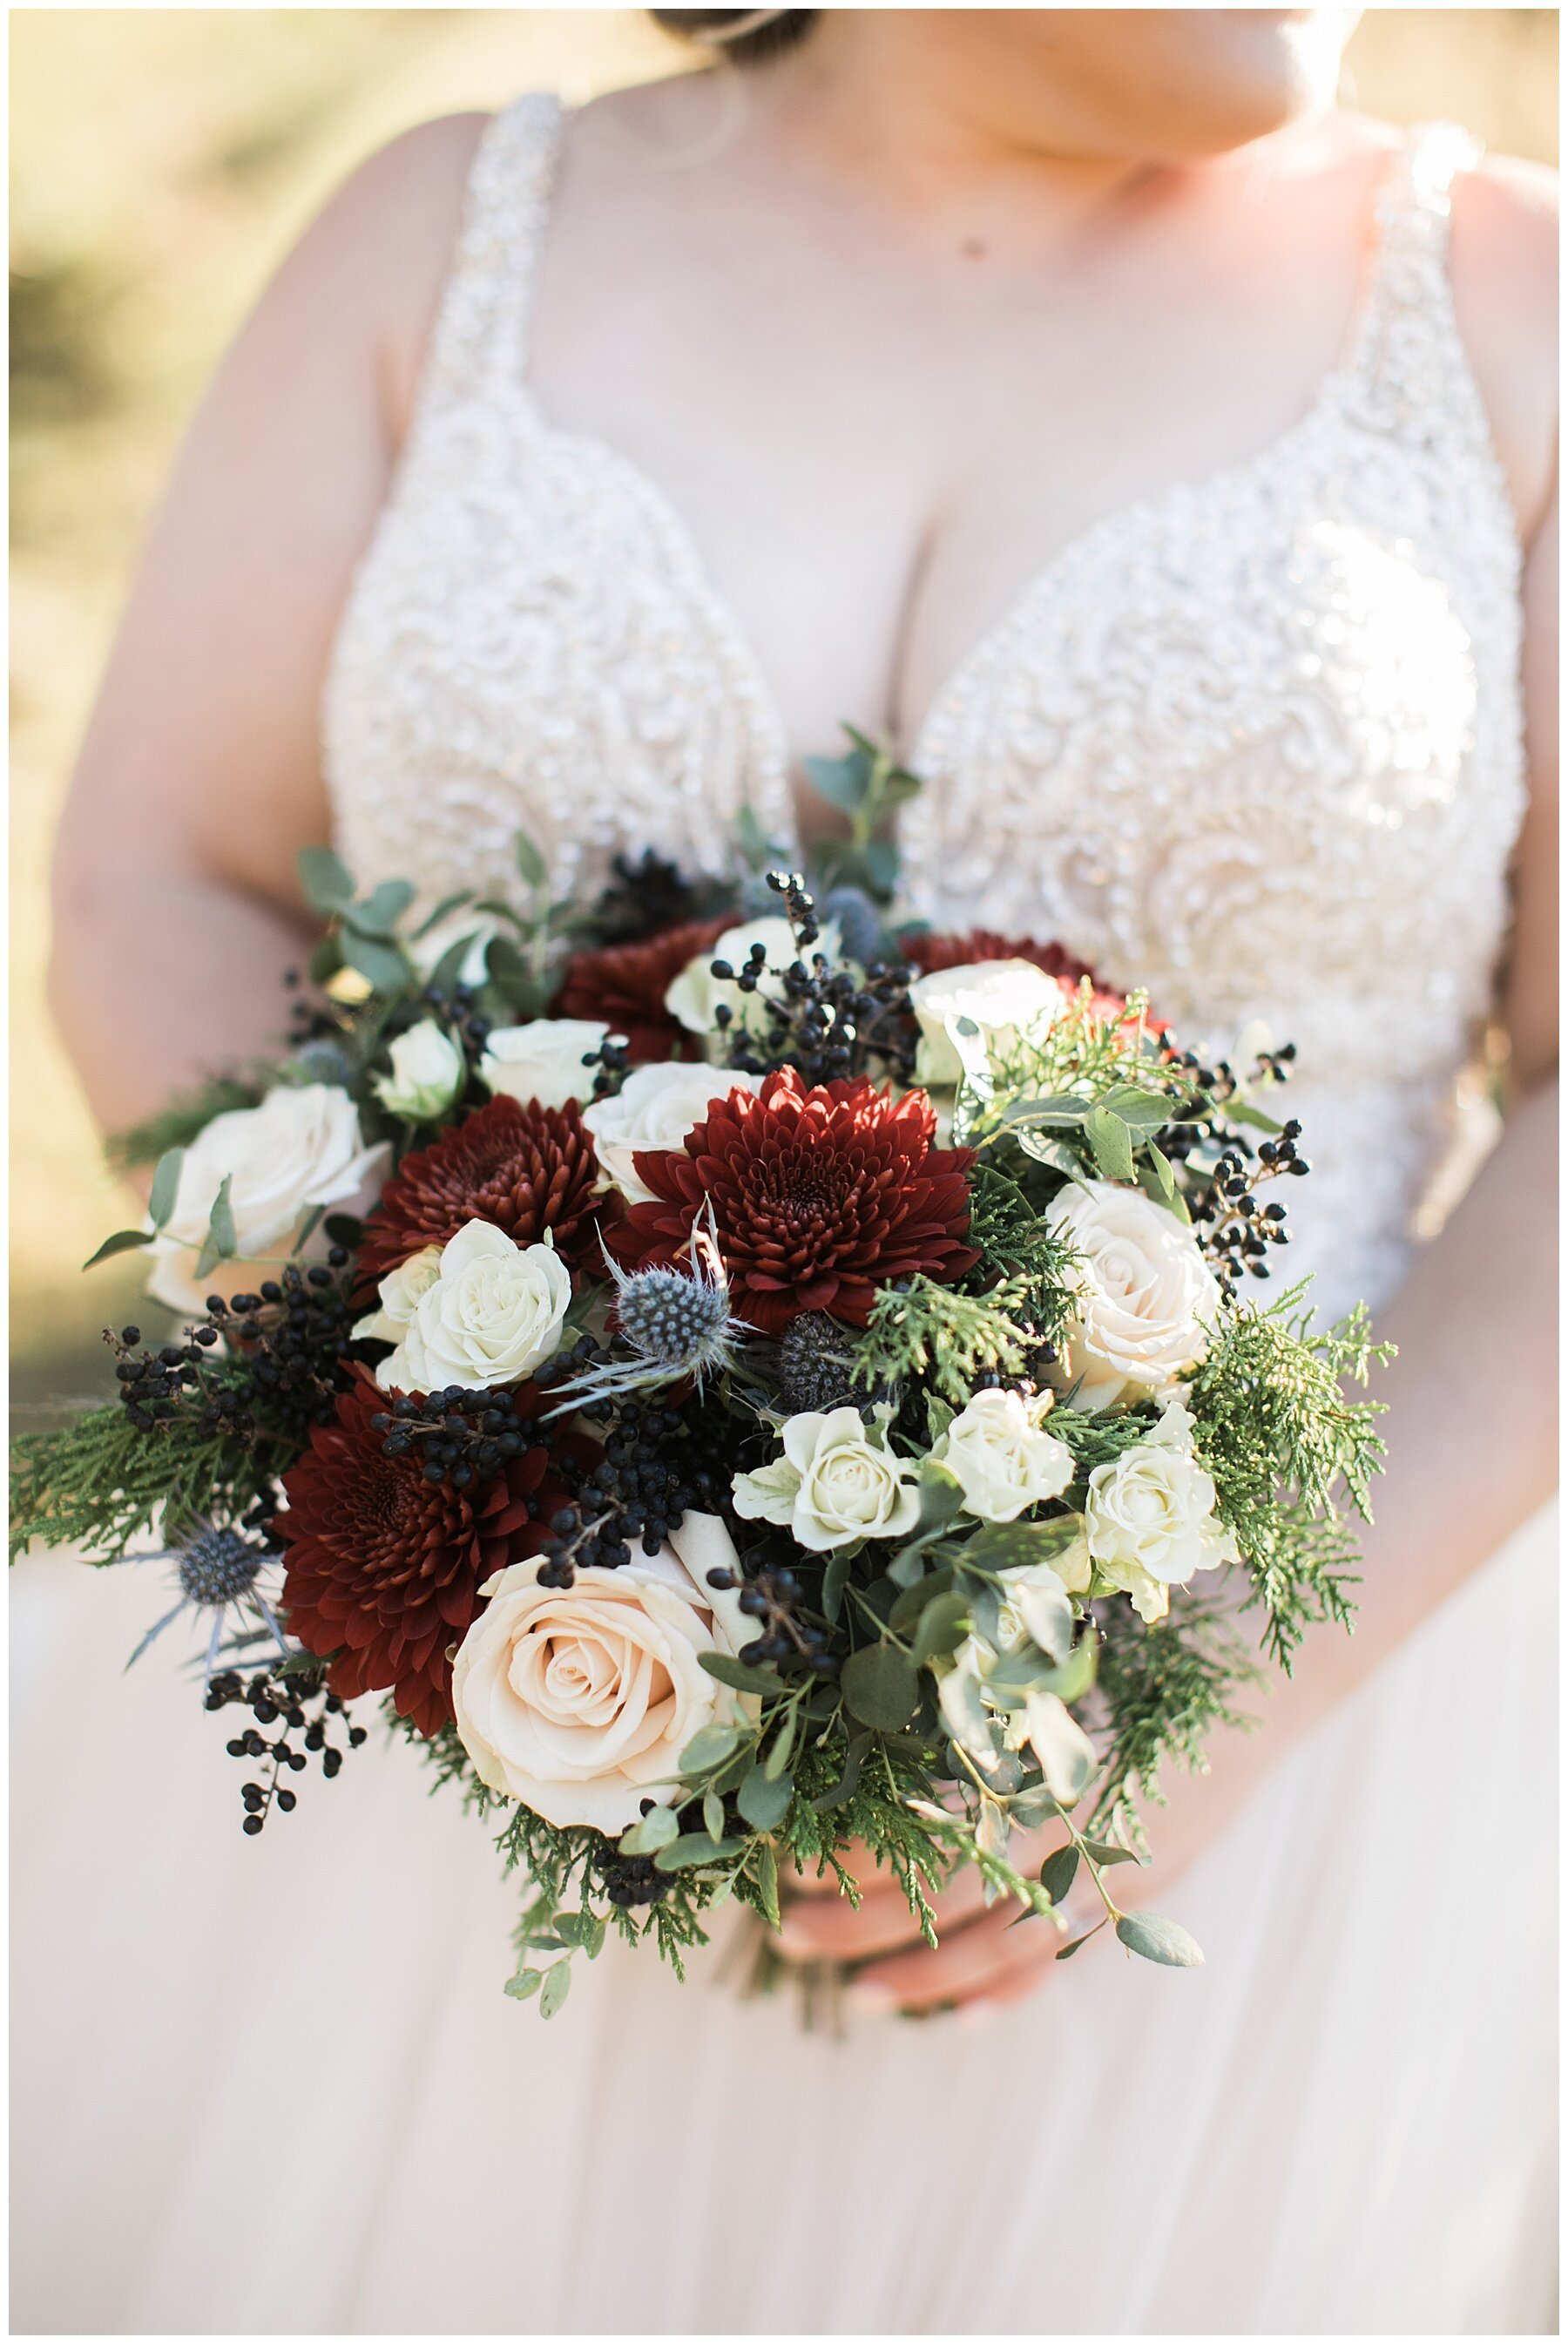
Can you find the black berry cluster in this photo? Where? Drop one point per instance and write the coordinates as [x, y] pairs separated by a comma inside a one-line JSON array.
[[303, 1708], [649, 895], [771, 1597], [659, 1462], [1238, 1228], [463, 1437], [280, 1373], [631, 1880], [827, 1022]]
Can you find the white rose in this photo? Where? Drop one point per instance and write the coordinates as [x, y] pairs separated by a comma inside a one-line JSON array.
[[1150, 1517], [399, 1291], [1001, 1458], [695, 995], [544, 1060], [833, 1483], [1007, 999], [488, 1314], [655, 1108], [426, 1074], [298, 1150], [1145, 1292], [579, 1700]]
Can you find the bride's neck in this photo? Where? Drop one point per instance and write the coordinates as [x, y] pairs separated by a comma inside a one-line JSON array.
[[917, 120]]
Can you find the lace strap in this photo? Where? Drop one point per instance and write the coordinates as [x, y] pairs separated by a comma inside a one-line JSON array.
[[1405, 359], [481, 330]]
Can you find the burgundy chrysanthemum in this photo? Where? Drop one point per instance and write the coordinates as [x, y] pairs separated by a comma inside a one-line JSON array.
[[623, 988], [819, 1196], [385, 1569], [524, 1168]]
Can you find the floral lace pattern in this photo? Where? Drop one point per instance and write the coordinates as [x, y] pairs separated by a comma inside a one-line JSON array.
[[1254, 742]]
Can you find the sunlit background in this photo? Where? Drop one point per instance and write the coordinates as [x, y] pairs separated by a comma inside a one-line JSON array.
[[163, 161]]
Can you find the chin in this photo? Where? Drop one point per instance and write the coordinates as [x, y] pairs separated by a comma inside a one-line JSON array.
[[1176, 83]]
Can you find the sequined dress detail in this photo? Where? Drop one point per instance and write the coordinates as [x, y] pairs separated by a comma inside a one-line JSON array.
[[1253, 741]]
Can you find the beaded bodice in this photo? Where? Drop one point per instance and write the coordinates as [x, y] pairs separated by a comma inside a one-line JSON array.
[[1253, 743]]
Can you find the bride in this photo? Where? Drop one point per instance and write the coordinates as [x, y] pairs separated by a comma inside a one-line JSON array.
[[1165, 460]]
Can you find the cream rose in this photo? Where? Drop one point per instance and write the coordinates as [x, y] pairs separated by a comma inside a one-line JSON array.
[[696, 993], [427, 1074], [298, 1150], [1144, 1295], [1000, 1457], [655, 1108], [485, 1313], [1150, 1517], [579, 1700], [543, 1061], [834, 1482], [1007, 999]]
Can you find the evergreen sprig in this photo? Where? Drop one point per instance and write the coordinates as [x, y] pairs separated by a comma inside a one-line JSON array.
[[98, 1483]]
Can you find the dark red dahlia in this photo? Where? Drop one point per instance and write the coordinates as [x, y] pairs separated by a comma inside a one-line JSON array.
[[385, 1569], [526, 1168], [929, 954], [624, 989], [819, 1196]]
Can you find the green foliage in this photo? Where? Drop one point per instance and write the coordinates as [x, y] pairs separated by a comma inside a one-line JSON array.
[[931, 1331], [1162, 1690], [1289, 1451], [98, 1482], [177, 1125]]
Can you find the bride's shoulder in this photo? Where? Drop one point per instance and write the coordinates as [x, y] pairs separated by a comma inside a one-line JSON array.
[[1503, 265]]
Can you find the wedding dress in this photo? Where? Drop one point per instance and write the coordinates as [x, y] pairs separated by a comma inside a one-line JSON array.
[[1256, 742]]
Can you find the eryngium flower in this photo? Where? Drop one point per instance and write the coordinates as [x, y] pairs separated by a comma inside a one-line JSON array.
[[677, 1324], [818, 1197], [625, 984], [385, 1567], [525, 1169]]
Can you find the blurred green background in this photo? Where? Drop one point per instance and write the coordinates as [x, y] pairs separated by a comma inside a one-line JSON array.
[[163, 161]]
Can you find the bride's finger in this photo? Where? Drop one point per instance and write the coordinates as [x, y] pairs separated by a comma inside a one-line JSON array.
[[989, 1961], [837, 1931]]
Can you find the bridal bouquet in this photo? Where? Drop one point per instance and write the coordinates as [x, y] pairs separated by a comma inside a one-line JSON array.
[[734, 1376]]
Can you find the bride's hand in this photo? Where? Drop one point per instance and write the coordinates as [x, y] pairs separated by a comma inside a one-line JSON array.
[[984, 1957]]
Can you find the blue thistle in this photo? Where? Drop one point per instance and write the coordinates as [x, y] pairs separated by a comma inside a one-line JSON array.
[[675, 1324], [217, 1569]]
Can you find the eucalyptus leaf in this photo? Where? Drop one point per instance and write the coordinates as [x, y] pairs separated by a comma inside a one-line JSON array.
[[880, 1687], [1159, 1940], [1241, 1110], [449, 970], [382, 966], [526, 1981], [1068, 1951], [1059, 1112], [122, 1241], [166, 1186], [650, 1833], [557, 1986], [1077, 1674], [531, 865], [1045, 1149], [325, 879], [844, 782], [220, 1228], [783, 1743], [1112, 1141], [833, 1582], [324, 961], [941, 1497], [1059, 1872], [764, 1801], [1144, 1110], [768, 1883], [915, 1598], [1105, 1851], [443, 911], [944, 1623], [378, 914], [739, 1677], [849, 1781], [711, 1747], [713, 1815], [694, 1847]]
